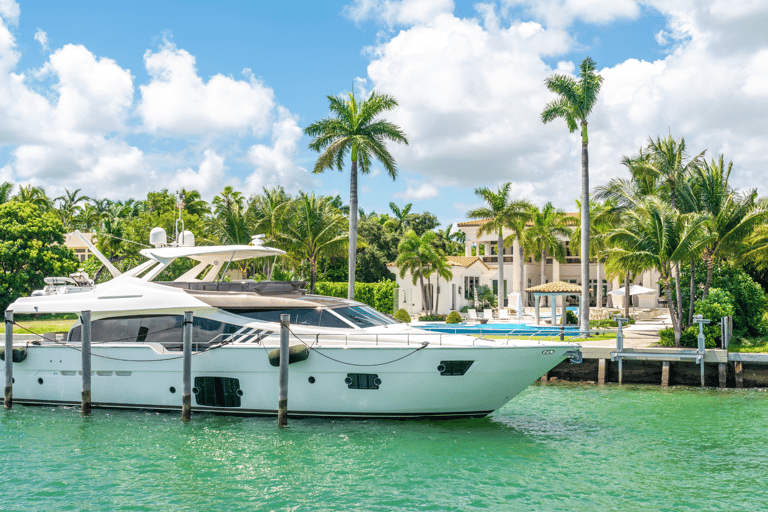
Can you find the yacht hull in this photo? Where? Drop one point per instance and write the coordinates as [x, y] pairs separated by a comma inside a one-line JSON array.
[[334, 381]]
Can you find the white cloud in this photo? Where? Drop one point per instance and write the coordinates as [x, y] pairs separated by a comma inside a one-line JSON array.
[[398, 12], [178, 102], [9, 11], [418, 192], [208, 179], [471, 93], [561, 13], [42, 38], [275, 165]]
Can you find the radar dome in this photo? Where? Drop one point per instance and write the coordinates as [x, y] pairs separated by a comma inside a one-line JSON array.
[[157, 237], [186, 239]]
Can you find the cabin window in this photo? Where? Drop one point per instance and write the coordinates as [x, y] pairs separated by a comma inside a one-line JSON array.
[[364, 316], [165, 329], [301, 316]]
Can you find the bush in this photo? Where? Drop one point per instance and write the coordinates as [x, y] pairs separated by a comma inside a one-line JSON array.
[[719, 303], [402, 316], [453, 318], [465, 309], [571, 318], [432, 318], [379, 296], [687, 337]]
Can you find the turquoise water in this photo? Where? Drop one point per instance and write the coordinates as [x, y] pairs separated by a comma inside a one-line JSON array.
[[555, 447]]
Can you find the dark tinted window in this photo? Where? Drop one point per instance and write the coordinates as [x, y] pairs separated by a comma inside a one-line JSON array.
[[318, 317], [364, 316], [166, 329]]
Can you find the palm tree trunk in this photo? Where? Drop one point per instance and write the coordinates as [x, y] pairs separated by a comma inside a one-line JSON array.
[[543, 266], [312, 276], [423, 292], [679, 295], [626, 295], [500, 255], [521, 277], [672, 308], [710, 261], [437, 294], [692, 291], [352, 230], [584, 309]]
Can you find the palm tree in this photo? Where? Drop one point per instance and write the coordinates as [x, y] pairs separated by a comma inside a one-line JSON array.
[[192, 202], [543, 236], [575, 103], [315, 229], [440, 268], [229, 224], [501, 213], [5, 191], [33, 195], [268, 211], [69, 207], [417, 255], [401, 216], [88, 218], [654, 235], [355, 130]]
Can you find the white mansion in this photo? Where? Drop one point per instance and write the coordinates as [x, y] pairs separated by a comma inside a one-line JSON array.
[[473, 270]]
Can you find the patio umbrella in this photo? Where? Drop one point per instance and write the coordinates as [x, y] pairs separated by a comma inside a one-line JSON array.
[[633, 290], [476, 301]]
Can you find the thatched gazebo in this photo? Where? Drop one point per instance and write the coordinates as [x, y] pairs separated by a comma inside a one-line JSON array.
[[554, 290]]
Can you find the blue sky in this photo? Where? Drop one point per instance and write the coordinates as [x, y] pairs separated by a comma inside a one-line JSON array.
[[119, 98]]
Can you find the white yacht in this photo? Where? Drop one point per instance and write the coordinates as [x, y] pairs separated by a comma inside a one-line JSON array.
[[350, 360]]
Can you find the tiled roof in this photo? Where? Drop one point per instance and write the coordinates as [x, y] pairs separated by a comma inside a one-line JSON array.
[[469, 223], [556, 287], [461, 261], [572, 218]]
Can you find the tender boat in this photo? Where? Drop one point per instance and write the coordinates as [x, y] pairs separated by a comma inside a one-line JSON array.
[[351, 360]]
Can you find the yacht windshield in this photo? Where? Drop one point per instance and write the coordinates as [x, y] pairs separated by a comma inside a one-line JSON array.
[[363, 316], [314, 316]]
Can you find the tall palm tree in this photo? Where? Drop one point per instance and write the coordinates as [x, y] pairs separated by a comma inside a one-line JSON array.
[[34, 195], [315, 229], [229, 224], [355, 130], [576, 100], [654, 235], [417, 255], [192, 202], [441, 269], [268, 211], [69, 207], [501, 213], [543, 236]]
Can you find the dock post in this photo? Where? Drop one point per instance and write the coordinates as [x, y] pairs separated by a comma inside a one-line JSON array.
[[721, 367], [282, 402], [601, 364], [85, 320], [8, 402], [620, 344], [738, 372], [186, 373], [665, 374]]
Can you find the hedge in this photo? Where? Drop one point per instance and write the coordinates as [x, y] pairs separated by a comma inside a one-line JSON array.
[[379, 296]]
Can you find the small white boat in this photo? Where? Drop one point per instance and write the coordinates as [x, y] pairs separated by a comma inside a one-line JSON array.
[[353, 362]]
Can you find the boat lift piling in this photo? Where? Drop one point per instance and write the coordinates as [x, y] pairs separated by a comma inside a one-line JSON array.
[[282, 402], [8, 401], [85, 320], [186, 394], [701, 341], [620, 343]]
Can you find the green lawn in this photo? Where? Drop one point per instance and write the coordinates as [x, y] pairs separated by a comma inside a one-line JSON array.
[[751, 345], [41, 325]]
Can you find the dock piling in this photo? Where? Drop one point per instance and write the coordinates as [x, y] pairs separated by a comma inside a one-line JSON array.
[[665, 374], [282, 402], [738, 372], [8, 401], [85, 320], [722, 367], [186, 393], [601, 365], [701, 340]]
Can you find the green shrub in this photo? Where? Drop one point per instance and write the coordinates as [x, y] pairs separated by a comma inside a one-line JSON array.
[[453, 318], [687, 337], [465, 309], [379, 296], [432, 318], [402, 316], [571, 318]]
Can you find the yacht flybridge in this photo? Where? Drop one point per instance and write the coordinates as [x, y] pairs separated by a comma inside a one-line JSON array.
[[356, 361]]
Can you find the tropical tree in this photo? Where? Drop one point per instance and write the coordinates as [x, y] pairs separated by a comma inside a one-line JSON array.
[[5, 191], [68, 207], [654, 235], [441, 269], [417, 256], [501, 212], [268, 213], [192, 202], [401, 216], [355, 130], [33, 195], [230, 223], [548, 226], [576, 100], [315, 229]]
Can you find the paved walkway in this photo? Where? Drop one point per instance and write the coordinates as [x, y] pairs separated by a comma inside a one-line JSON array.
[[643, 333]]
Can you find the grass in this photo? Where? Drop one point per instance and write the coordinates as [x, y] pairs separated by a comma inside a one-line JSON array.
[[556, 337], [755, 345], [41, 324]]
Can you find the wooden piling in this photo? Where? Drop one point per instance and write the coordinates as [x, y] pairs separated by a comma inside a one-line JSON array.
[[282, 402], [722, 367], [186, 373], [601, 366], [665, 374], [8, 401], [85, 320], [738, 372]]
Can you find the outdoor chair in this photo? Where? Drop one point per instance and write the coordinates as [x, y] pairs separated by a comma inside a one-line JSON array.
[[488, 314], [472, 314], [504, 314]]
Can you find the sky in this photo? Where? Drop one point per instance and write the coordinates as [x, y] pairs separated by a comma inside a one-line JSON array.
[[121, 98]]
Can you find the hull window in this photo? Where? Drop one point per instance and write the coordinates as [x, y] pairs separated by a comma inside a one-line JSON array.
[[362, 381], [217, 391], [454, 367]]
